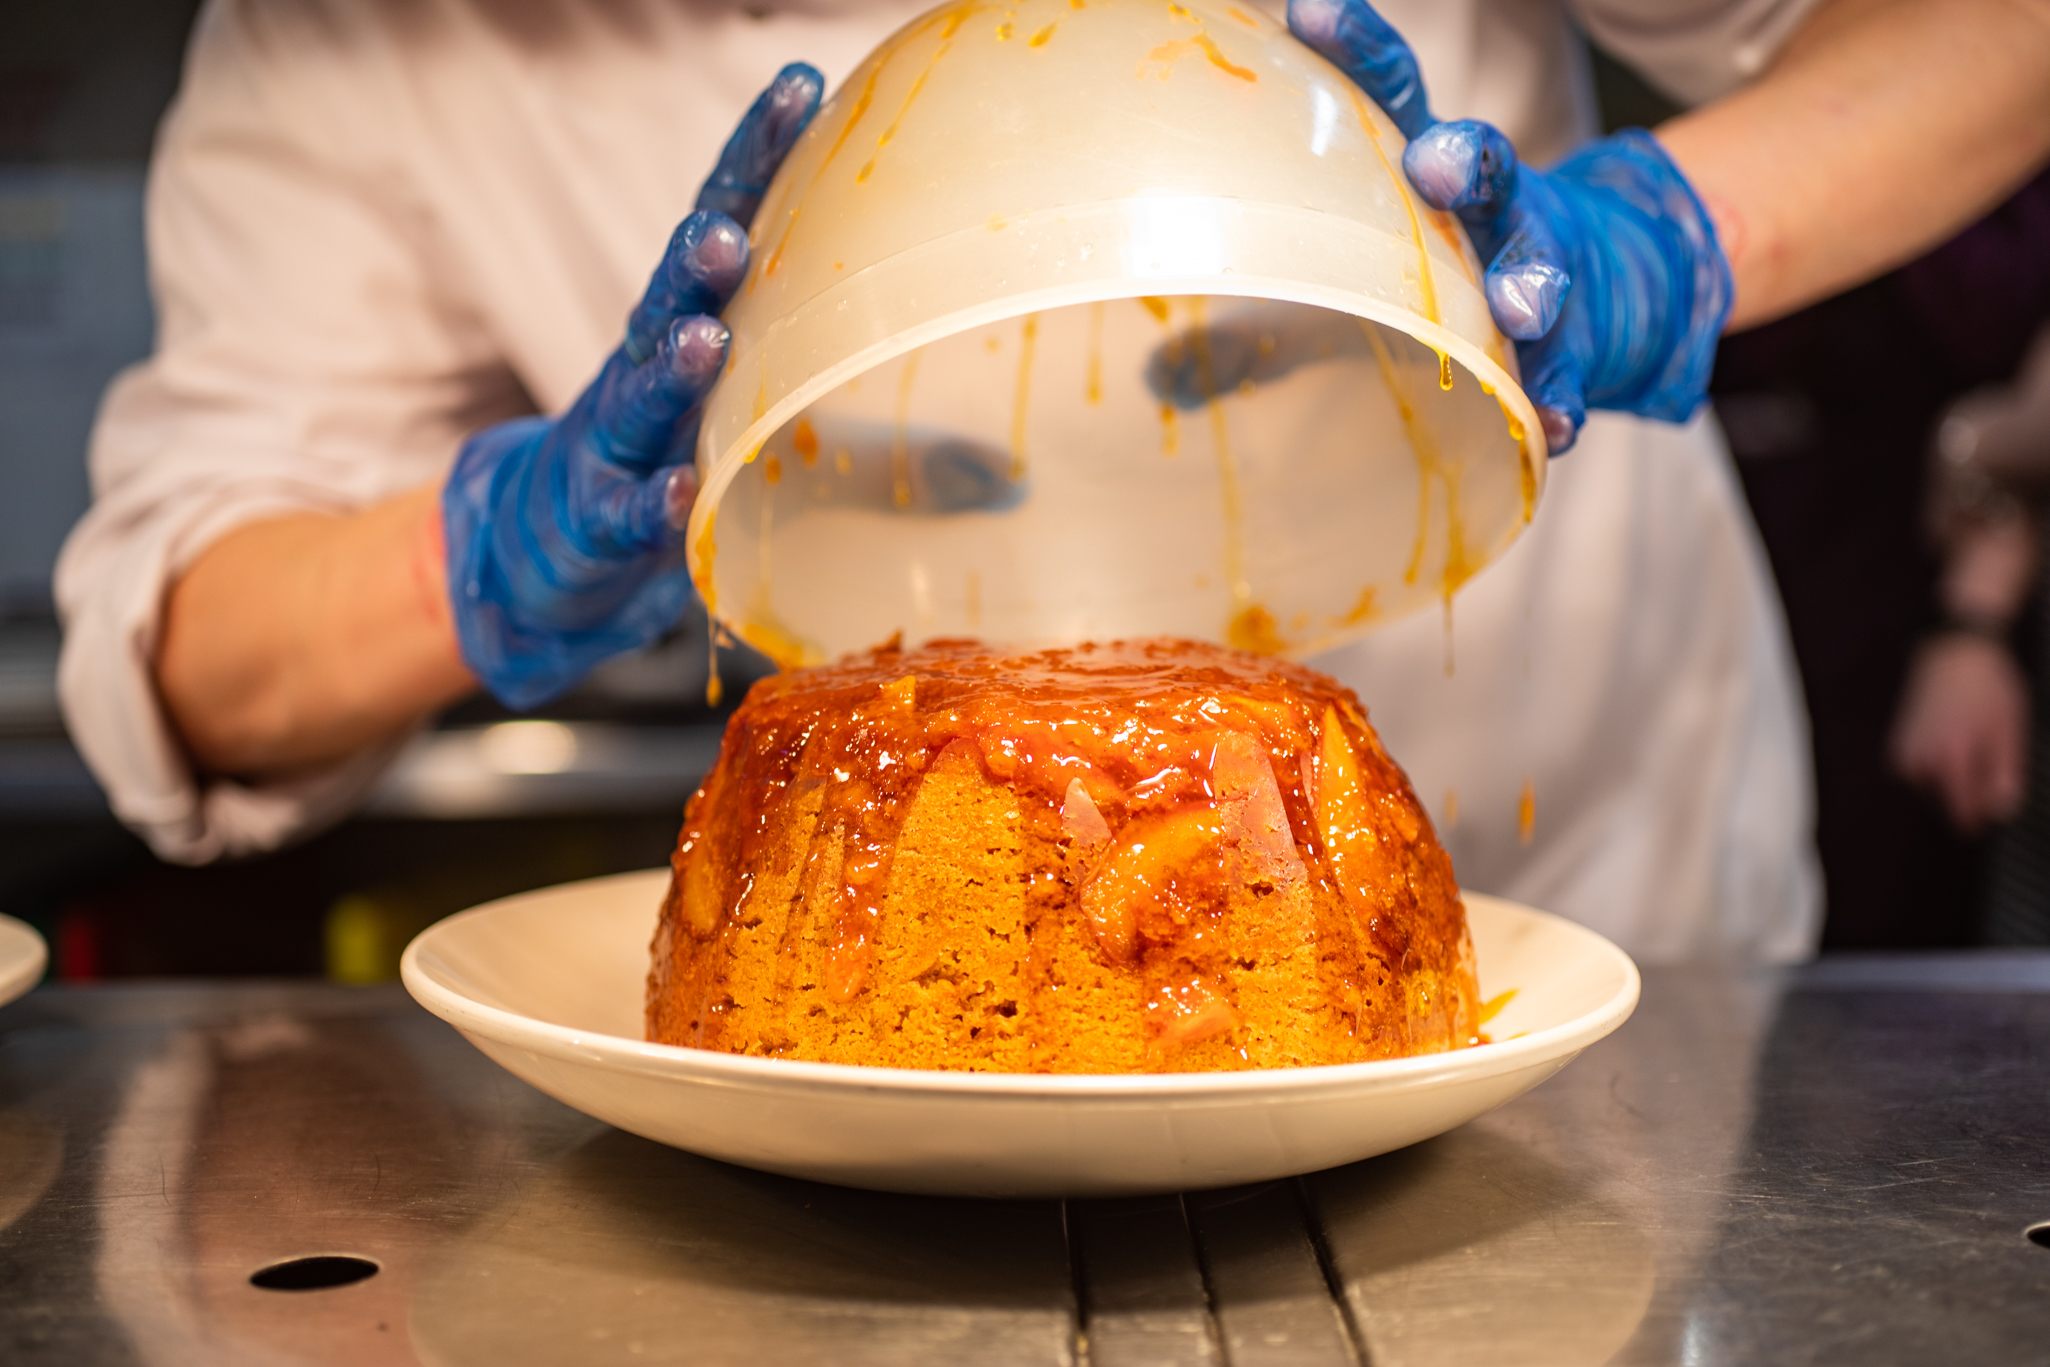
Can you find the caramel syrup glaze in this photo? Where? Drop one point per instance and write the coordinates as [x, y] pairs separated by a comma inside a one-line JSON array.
[[1155, 781]]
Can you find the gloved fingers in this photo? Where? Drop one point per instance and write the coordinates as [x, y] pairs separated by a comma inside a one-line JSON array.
[[636, 409], [1251, 345], [1557, 385], [704, 265], [1463, 166], [765, 135], [1527, 281], [637, 516], [683, 438], [1366, 47]]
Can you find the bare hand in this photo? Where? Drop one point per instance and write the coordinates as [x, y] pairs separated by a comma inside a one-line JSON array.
[[1963, 729]]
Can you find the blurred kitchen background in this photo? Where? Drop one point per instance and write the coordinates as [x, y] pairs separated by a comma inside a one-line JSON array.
[[1830, 413], [484, 804]]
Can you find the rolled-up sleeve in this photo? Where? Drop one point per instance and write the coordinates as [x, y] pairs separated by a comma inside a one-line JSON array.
[[1692, 50], [313, 352]]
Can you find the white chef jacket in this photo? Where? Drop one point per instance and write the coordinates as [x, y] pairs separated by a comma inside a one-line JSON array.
[[375, 225]]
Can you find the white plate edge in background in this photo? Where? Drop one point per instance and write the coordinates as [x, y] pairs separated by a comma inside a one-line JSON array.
[[23, 956]]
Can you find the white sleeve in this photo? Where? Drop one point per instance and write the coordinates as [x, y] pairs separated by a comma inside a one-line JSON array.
[[310, 355], [1692, 50]]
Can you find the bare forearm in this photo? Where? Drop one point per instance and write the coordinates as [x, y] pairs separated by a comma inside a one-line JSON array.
[[1883, 128], [300, 639]]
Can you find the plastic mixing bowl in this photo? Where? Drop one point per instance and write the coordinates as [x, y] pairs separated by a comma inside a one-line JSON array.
[[1075, 319]]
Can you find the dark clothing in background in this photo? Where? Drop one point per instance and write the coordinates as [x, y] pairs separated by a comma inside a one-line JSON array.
[[1830, 414], [2018, 869]]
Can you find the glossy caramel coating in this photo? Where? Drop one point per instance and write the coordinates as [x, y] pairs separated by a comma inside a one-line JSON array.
[[1144, 856]]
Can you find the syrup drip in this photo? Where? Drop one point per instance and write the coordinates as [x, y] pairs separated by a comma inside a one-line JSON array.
[[950, 20], [1228, 488], [1094, 391], [1448, 232], [1459, 565], [1526, 466], [1021, 401], [1252, 628], [804, 438], [1421, 447], [767, 634], [1526, 471], [703, 552], [1426, 286], [1170, 420], [1167, 54], [900, 435], [866, 97], [1526, 812], [951, 25], [758, 610]]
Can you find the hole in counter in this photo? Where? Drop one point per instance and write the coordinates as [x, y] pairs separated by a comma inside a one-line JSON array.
[[2038, 1234], [319, 1272]]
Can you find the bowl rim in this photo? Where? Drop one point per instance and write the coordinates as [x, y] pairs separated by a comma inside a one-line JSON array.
[[1553, 1043], [718, 467]]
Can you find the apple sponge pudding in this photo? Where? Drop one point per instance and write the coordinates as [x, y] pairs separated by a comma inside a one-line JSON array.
[[1150, 856]]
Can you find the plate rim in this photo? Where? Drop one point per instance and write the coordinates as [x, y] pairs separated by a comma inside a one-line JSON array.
[[18, 979], [680, 1062]]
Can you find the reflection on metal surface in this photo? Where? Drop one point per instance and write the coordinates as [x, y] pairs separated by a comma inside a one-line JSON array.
[[1408, 1233], [459, 774], [1829, 1165], [528, 747], [30, 1151], [627, 1252], [522, 768]]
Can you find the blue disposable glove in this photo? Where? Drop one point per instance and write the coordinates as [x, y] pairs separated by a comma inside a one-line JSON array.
[[565, 534], [1604, 269]]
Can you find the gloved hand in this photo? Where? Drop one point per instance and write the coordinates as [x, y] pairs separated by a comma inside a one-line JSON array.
[[1605, 269], [565, 534]]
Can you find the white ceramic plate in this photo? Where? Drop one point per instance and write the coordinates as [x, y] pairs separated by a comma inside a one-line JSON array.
[[22, 957], [549, 985]]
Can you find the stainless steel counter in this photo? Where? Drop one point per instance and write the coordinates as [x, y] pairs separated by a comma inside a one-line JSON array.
[[1832, 1165]]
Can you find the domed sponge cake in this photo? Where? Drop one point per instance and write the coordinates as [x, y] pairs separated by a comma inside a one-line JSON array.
[[1147, 856]]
